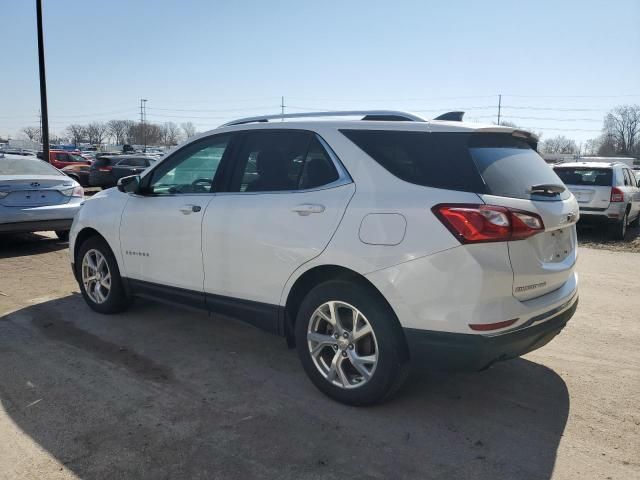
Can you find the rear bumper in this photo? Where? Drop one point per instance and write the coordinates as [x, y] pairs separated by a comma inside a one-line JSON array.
[[35, 219], [458, 351], [609, 215], [36, 226]]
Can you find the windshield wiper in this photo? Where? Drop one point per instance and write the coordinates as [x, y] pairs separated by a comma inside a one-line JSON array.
[[547, 189]]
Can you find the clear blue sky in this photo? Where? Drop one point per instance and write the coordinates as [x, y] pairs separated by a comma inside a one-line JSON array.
[[208, 61]]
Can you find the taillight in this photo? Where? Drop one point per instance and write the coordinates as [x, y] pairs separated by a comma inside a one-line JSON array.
[[617, 195], [105, 169], [77, 191], [471, 223]]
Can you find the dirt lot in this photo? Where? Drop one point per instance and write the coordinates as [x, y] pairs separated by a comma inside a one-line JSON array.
[[165, 393]]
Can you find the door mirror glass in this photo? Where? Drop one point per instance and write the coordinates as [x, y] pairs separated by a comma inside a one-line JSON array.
[[129, 184]]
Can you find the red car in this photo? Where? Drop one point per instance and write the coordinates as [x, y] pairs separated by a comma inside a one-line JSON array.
[[62, 158]]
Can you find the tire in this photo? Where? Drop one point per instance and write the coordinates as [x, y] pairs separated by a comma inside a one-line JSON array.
[[636, 222], [63, 235], [386, 344], [619, 229], [115, 298]]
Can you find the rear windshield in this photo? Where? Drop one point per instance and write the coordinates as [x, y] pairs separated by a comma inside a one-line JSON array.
[[496, 164], [595, 177], [25, 166]]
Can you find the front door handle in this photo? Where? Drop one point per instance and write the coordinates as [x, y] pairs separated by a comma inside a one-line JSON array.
[[187, 209], [308, 208]]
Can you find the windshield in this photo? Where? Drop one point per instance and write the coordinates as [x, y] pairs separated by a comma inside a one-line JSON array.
[[595, 177], [24, 166]]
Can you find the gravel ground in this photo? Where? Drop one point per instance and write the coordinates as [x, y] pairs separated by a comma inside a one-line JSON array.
[[159, 392], [593, 237]]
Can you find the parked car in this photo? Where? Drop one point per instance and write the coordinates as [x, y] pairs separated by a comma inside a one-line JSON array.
[[35, 196], [62, 158], [106, 171], [79, 172], [607, 193], [365, 243], [18, 151]]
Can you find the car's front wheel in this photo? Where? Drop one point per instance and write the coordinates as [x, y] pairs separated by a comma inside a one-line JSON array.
[[350, 343], [99, 277]]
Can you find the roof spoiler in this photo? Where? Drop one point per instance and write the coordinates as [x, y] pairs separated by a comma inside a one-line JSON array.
[[451, 116]]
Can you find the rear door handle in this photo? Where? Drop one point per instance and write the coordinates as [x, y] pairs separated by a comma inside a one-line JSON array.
[[187, 209], [308, 208]]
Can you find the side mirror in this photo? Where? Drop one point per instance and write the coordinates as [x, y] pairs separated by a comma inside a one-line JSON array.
[[129, 184]]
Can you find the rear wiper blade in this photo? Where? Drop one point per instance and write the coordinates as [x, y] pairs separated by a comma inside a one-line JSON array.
[[547, 189]]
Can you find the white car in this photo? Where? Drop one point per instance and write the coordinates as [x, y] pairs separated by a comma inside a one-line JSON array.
[[607, 193], [35, 196], [366, 243]]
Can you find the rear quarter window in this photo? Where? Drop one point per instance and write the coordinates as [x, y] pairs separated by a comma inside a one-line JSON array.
[[439, 160], [492, 163]]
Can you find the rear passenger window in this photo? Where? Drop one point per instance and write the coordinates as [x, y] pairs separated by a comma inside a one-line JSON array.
[[278, 160]]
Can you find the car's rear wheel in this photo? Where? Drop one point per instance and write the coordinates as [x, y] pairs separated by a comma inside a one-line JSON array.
[[636, 222], [350, 343], [63, 235], [99, 277], [620, 228]]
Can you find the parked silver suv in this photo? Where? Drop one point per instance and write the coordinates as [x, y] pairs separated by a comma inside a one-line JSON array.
[[607, 193]]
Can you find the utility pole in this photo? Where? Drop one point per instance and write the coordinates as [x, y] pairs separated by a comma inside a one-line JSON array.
[[44, 114], [499, 107], [282, 109], [143, 117]]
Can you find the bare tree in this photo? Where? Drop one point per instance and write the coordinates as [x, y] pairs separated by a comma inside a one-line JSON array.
[[591, 146], [189, 129], [96, 132], [170, 134], [77, 133], [559, 144], [117, 129], [622, 126], [32, 133]]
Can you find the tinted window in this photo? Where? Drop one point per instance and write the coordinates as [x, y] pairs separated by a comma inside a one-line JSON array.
[[439, 160], [318, 169], [61, 157], [133, 162], [10, 166], [595, 177], [510, 167], [270, 160], [628, 177], [191, 169]]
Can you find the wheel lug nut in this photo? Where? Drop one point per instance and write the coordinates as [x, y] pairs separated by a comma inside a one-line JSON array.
[[345, 335], [335, 335], [335, 347], [344, 354], [351, 346]]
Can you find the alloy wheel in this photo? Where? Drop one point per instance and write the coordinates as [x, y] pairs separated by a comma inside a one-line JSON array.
[[96, 276], [342, 344]]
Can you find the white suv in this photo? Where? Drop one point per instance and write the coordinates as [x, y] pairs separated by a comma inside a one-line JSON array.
[[365, 243], [608, 193]]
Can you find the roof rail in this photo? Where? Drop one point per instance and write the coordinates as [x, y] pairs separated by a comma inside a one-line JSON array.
[[388, 115]]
